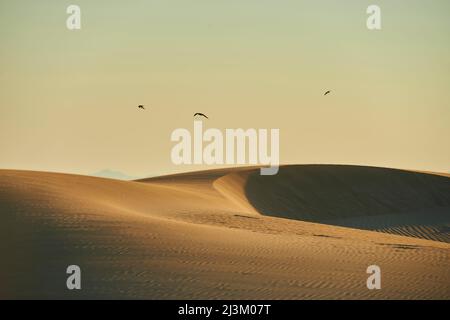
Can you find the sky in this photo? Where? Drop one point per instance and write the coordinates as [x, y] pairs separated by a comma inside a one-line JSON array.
[[68, 98]]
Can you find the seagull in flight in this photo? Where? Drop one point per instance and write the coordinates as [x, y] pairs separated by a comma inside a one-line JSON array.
[[327, 92], [141, 107], [200, 114]]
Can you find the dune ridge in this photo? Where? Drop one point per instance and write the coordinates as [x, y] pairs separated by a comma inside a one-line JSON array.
[[193, 236]]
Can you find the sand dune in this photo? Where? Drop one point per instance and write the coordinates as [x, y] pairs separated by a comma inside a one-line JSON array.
[[389, 200], [209, 235]]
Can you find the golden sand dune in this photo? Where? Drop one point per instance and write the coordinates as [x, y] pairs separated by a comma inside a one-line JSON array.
[[397, 201], [202, 235]]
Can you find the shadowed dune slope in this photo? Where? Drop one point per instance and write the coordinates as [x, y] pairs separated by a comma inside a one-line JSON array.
[[397, 201]]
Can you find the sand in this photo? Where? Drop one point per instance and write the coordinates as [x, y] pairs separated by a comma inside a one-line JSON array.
[[208, 235]]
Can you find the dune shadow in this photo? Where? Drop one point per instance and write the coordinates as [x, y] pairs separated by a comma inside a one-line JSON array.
[[353, 196]]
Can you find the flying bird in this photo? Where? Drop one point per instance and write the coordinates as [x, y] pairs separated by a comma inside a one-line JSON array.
[[327, 92], [200, 114], [141, 106]]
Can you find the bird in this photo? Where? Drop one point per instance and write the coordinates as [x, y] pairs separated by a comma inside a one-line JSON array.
[[200, 114], [141, 106], [327, 92]]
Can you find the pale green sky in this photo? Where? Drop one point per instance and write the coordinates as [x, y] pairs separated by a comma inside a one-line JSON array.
[[68, 98]]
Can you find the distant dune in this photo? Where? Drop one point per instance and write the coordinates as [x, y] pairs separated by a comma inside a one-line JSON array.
[[221, 234], [111, 174]]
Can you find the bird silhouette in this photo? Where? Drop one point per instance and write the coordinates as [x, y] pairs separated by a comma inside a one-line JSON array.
[[141, 106], [200, 114], [327, 92]]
